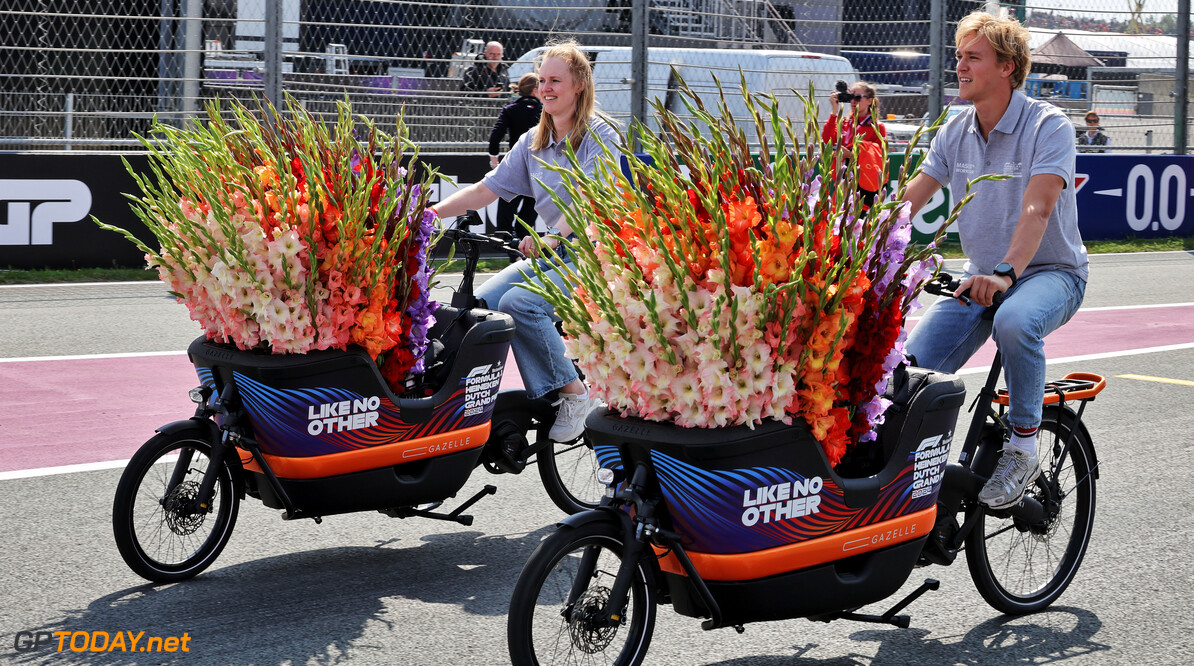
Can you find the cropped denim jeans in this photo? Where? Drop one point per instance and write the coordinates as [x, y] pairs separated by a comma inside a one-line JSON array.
[[538, 347], [951, 332]]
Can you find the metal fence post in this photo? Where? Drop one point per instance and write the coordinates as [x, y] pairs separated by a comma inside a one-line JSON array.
[[68, 120], [167, 57], [638, 62], [273, 51], [192, 44], [936, 59], [1181, 101]]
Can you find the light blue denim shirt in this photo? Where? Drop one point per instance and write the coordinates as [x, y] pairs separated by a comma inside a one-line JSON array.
[[1031, 138], [521, 173]]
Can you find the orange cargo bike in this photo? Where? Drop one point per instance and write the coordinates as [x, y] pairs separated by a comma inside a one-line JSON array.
[[322, 433], [740, 525]]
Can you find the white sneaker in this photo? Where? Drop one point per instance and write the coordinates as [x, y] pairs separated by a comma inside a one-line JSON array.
[[570, 419], [1014, 471]]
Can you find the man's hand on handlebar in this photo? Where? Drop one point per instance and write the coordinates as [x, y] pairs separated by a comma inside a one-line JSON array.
[[944, 284], [983, 288]]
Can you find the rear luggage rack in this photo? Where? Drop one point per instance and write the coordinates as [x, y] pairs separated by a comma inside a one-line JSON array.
[[1074, 386]]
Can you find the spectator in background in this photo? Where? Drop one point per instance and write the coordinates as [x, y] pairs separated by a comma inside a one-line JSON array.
[[489, 74], [1092, 139], [861, 125], [515, 119]]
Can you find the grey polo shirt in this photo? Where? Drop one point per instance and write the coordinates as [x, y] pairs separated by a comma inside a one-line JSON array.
[[520, 173], [1031, 138]]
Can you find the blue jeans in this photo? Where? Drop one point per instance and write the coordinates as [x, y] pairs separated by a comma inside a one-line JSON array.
[[950, 332], [538, 347]]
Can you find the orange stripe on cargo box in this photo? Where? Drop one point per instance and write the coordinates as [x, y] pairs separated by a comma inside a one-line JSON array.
[[782, 559], [359, 460]]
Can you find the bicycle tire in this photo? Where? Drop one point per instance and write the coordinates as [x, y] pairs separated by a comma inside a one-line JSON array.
[[568, 471], [158, 537], [1018, 570], [540, 632]]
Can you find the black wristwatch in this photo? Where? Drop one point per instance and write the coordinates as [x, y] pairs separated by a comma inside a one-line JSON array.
[[1006, 269]]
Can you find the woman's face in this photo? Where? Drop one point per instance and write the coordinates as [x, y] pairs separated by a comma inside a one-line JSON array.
[[861, 103], [558, 90]]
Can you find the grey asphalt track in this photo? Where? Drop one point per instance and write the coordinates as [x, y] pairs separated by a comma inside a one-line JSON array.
[[366, 589]]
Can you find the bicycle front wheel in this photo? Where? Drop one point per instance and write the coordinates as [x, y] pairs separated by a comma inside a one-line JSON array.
[[544, 629], [160, 531], [1022, 569]]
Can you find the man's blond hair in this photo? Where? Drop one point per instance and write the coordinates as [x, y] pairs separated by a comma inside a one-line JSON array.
[[1007, 37]]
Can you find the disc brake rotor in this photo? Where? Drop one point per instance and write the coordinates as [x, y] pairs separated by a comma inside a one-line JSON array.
[[590, 633], [179, 507]]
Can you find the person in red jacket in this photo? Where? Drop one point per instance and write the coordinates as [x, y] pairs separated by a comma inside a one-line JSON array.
[[861, 125]]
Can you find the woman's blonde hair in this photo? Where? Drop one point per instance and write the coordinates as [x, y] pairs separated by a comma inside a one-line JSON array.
[[1007, 37], [586, 100]]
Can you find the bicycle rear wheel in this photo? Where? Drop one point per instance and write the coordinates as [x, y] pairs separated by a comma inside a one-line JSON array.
[[569, 474], [1020, 569], [543, 629]]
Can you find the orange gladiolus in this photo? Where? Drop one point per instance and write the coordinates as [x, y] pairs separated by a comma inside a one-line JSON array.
[[817, 395], [266, 175], [741, 216], [774, 266]]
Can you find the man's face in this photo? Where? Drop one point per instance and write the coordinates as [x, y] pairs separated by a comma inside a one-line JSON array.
[[493, 53], [1092, 123], [980, 73]]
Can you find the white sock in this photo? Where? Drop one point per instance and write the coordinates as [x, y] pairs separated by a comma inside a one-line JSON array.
[[1022, 442]]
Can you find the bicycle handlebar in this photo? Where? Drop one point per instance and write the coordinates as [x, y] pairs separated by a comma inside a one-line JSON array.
[[500, 240], [459, 235], [945, 284]]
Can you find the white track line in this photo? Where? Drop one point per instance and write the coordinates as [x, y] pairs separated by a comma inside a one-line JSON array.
[[84, 357], [89, 467], [81, 284], [1093, 357], [63, 469]]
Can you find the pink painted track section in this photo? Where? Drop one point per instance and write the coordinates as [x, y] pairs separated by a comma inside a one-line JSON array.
[[65, 412], [1109, 331]]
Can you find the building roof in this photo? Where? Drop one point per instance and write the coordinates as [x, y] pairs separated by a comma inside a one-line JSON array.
[[1145, 52], [1061, 50]]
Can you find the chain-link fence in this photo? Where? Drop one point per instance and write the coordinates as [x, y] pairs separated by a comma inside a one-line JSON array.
[[87, 74]]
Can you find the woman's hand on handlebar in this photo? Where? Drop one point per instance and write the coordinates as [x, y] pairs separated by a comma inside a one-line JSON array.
[[529, 246], [983, 288]]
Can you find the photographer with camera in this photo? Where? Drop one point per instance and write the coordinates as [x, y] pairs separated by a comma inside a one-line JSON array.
[[861, 125]]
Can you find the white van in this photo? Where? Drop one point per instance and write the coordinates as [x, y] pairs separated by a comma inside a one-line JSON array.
[[782, 73]]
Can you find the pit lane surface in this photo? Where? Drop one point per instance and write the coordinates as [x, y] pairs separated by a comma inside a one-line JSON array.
[[369, 589]]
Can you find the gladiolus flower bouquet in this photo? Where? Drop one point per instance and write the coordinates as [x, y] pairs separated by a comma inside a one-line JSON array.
[[291, 234], [718, 288]]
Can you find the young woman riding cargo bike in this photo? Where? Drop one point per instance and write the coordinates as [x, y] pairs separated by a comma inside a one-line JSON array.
[[739, 525], [290, 237]]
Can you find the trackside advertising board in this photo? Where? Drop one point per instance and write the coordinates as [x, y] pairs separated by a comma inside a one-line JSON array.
[[1119, 196], [47, 200]]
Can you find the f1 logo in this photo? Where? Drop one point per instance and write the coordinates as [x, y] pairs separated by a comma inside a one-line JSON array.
[[34, 206]]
